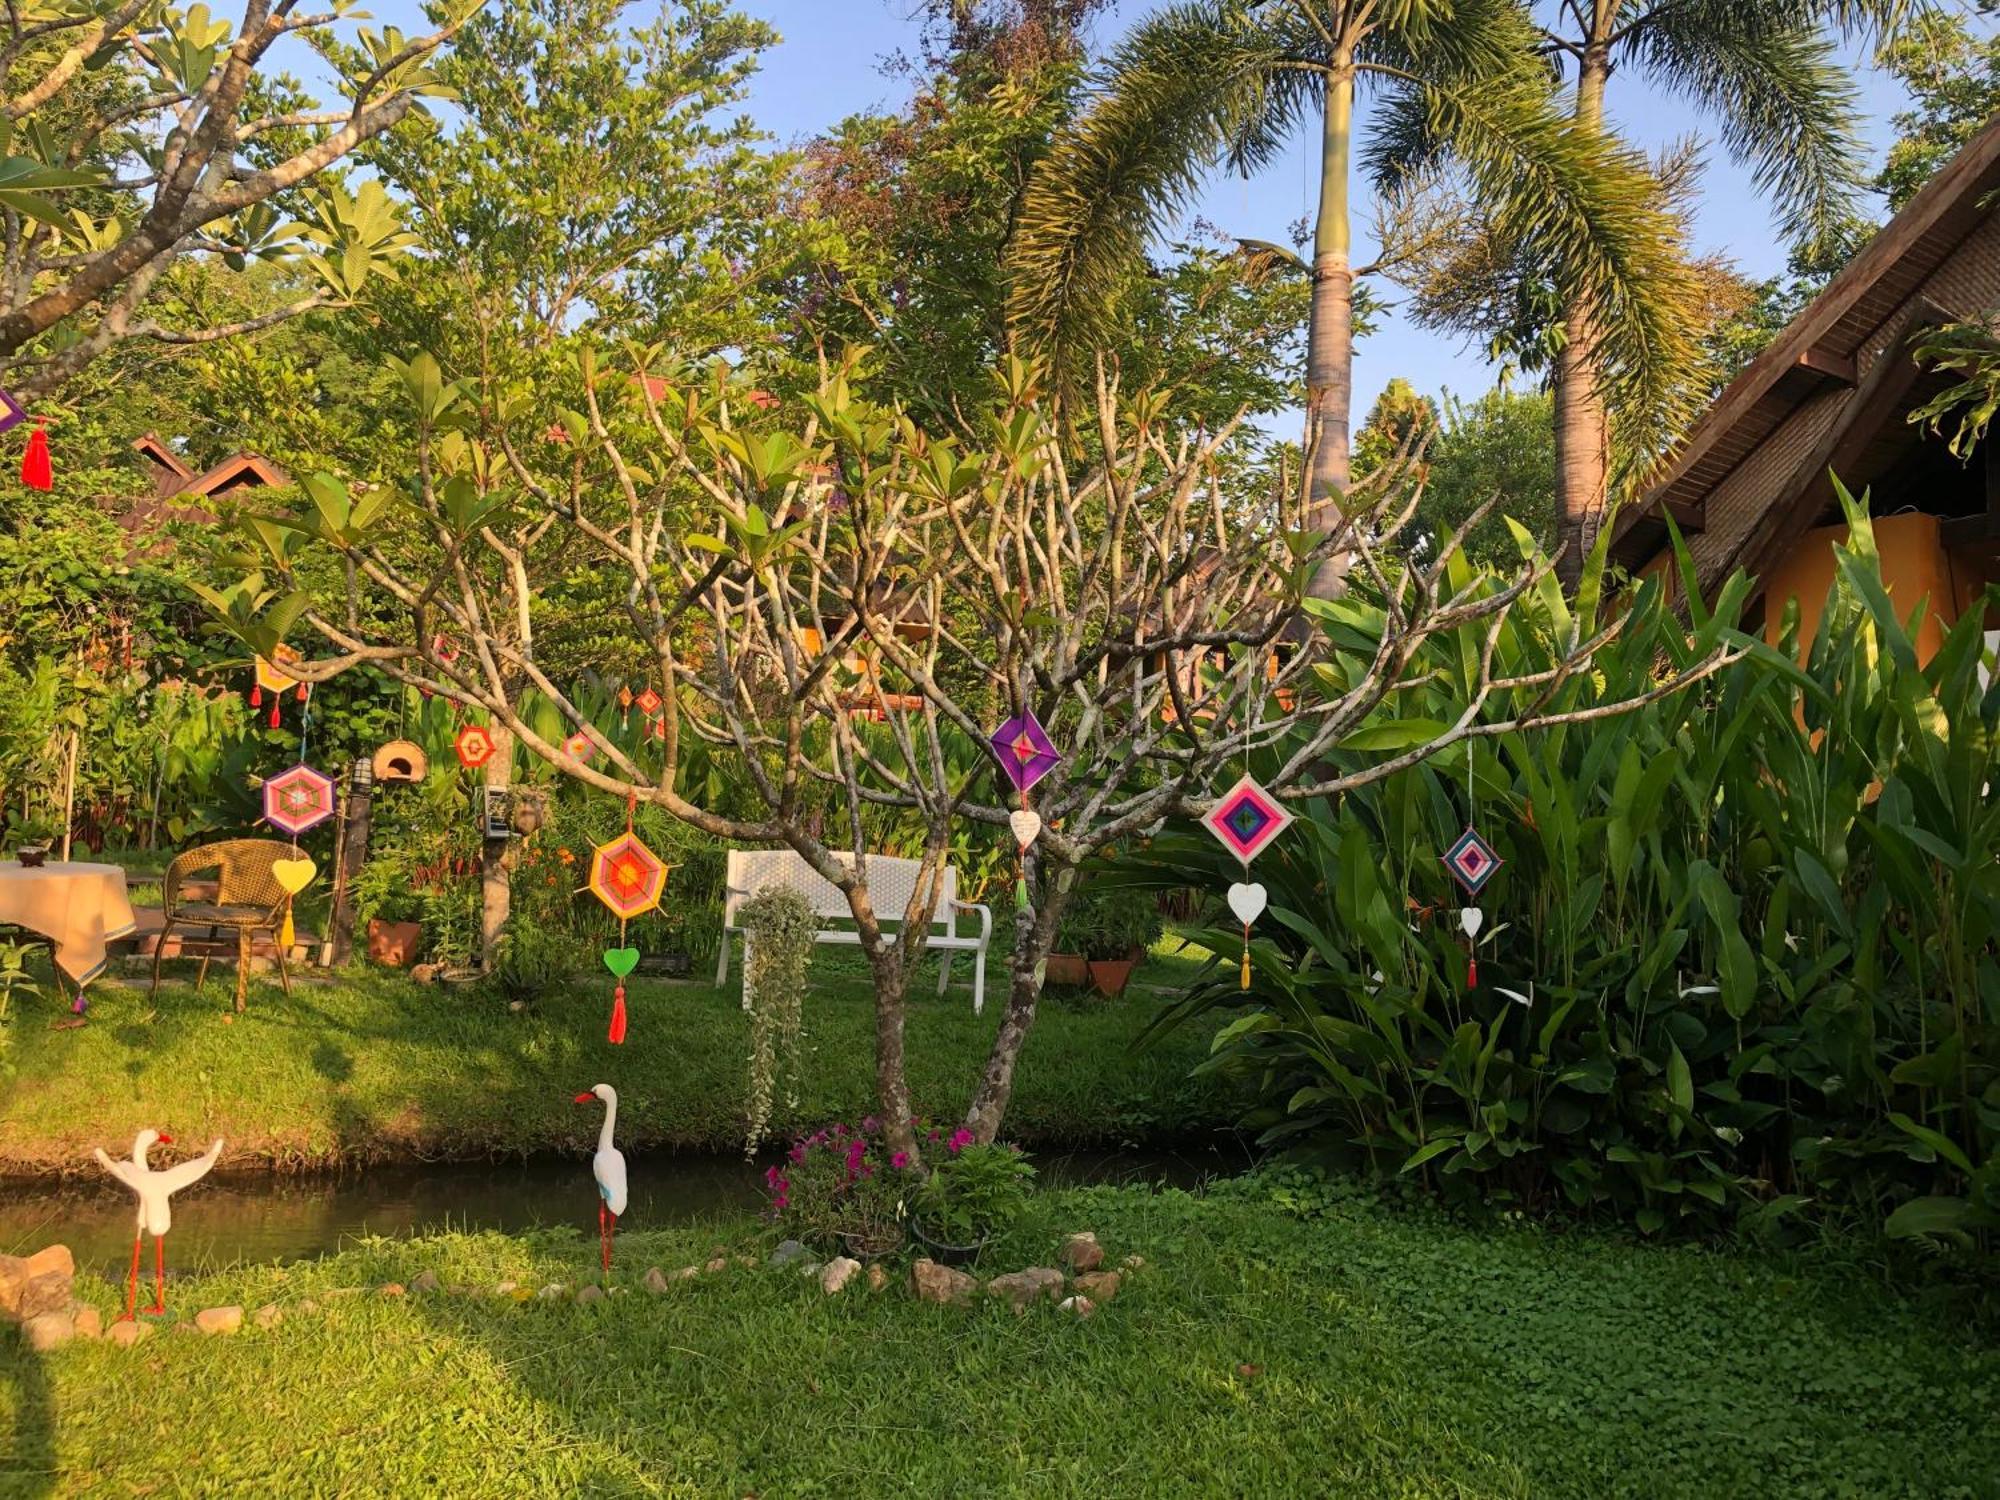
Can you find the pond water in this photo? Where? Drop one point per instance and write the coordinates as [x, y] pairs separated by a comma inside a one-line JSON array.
[[225, 1220]]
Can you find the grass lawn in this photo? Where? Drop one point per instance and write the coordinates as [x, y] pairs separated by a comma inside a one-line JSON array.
[[368, 1066], [1363, 1353]]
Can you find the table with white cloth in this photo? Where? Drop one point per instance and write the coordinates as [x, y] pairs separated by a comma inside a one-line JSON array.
[[80, 908]]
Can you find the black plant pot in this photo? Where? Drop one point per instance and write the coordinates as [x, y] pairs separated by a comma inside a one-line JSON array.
[[32, 858], [872, 1246], [943, 1251]]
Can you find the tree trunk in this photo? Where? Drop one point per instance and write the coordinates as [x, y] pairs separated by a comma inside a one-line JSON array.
[[496, 867], [1583, 432], [1025, 972], [892, 1085], [1330, 338]]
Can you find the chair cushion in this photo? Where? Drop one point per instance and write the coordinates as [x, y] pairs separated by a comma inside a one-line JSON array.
[[223, 916]]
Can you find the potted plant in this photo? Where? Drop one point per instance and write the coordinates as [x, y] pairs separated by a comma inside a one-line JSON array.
[[842, 1187], [971, 1192], [386, 900], [1111, 927], [32, 840]]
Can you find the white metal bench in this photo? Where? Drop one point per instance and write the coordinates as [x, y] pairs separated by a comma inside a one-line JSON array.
[[890, 882]]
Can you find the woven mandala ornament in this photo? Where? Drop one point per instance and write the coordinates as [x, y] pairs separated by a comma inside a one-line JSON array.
[[1026, 755], [297, 800], [1471, 862], [579, 745], [1246, 819], [271, 678], [630, 879], [475, 746]]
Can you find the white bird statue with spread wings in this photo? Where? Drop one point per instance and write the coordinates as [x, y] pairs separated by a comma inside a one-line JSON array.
[[608, 1167], [155, 1216]]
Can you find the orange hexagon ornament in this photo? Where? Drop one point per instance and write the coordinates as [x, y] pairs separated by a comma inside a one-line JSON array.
[[627, 876]]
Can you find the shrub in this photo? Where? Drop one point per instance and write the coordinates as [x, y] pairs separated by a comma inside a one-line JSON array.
[[532, 959], [970, 1191], [1106, 921], [841, 1183], [779, 932]]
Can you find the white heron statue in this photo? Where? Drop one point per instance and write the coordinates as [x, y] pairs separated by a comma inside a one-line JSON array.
[[608, 1167], [155, 1216]]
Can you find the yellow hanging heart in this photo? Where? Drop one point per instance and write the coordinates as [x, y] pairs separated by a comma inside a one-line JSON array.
[[293, 875]]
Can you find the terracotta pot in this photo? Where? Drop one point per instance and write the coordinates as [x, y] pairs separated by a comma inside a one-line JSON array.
[[1111, 975], [394, 943], [1067, 969]]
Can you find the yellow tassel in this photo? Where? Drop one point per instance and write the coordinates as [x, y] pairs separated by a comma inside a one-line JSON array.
[[1246, 966], [286, 933]]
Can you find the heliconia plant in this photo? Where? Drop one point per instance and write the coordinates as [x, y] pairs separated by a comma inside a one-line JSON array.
[[1740, 960]]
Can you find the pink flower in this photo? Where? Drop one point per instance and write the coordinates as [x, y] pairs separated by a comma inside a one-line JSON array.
[[871, 1125], [900, 1160], [798, 1153], [960, 1139]]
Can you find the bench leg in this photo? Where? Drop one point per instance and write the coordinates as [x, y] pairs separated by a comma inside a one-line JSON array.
[[944, 969], [722, 962], [979, 981]]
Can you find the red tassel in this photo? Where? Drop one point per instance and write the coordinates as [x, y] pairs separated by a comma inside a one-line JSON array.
[[618, 1017], [302, 692], [1471, 972], [274, 710], [37, 472], [256, 695]]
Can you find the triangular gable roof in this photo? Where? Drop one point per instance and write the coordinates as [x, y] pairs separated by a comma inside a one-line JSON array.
[[1819, 350]]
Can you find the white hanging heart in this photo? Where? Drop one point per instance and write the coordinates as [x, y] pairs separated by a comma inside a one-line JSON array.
[[1471, 918], [1247, 901], [1027, 825]]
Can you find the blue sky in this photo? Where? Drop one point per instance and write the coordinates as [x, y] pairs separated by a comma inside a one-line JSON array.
[[828, 66]]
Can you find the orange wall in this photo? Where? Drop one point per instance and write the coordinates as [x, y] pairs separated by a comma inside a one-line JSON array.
[[1914, 566]]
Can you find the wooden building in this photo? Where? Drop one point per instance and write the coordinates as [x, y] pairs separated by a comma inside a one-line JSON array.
[[1752, 486]]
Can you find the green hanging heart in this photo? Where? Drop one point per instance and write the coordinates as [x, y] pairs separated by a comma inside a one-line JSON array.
[[621, 961]]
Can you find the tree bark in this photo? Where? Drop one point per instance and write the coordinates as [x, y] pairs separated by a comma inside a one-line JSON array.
[[1026, 971], [1330, 337], [1583, 430], [496, 867]]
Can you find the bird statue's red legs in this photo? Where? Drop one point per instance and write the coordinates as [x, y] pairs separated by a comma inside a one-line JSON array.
[[159, 1275], [132, 1285], [606, 1227]]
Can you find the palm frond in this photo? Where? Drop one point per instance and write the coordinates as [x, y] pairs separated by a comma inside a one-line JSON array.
[[1771, 76], [1199, 83]]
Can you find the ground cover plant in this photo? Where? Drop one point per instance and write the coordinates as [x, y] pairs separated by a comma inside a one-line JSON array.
[[1357, 1351], [369, 1066]]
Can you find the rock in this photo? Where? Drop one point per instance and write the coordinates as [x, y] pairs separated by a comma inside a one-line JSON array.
[[46, 1293], [941, 1284], [425, 1282], [125, 1335], [89, 1322], [505, 1288], [1132, 1263], [515, 1007], [390, 1289], [270, 1315], [308, 1307], [590, 1294], [687, 1273], [552, 1291], [1083, 1307], [426, 973], [219, 1319], [342, 1291], [50, 1330], [1099, 1286], [656, 1281], [878, 1276], [809, 1267], [747, 1262], [1022, 1288], [1081, 1252], [51, 1258], [720, 1263], [787, 1252], [839, 1271]]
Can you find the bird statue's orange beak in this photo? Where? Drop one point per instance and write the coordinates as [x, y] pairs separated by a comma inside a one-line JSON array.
[[165, 1139], [580, 1099]]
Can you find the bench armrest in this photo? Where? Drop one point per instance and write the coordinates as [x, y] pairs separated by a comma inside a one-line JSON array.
[[985, 918]]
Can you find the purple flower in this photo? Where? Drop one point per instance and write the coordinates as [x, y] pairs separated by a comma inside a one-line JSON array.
[[900, 1160], [871, 1125], [960, 1139]]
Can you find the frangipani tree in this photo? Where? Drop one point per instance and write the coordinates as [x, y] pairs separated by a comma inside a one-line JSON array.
[[783, 573], [134, 134]]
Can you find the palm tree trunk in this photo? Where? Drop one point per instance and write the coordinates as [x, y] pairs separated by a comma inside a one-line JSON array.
[[1583, 433], [1330, 338]]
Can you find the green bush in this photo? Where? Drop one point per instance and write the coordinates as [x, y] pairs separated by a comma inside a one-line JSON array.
[[1740, 960], [1106, 921]]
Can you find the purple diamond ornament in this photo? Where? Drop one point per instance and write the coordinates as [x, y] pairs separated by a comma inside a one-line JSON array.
[[1025, 750]]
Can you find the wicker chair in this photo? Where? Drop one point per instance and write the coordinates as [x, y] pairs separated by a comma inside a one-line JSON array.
[[248, 899]]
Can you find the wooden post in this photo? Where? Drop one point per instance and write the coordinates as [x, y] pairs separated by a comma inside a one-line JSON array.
[[69, 789], [496, 875], [350, 854]]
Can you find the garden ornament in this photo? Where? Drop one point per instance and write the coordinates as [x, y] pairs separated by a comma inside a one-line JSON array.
[[36, 471], [155, 1218], [608, 1167], [1026, 754], [628, 878], [270, 677], [1246, 819]]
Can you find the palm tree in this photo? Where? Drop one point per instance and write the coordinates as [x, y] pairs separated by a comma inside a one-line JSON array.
[[1766, 70], [1207, 83]]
